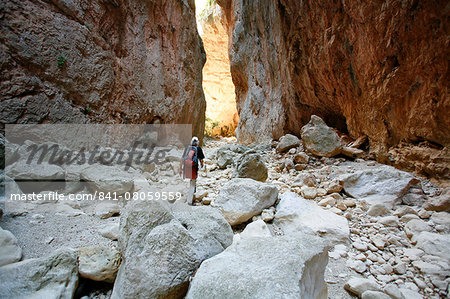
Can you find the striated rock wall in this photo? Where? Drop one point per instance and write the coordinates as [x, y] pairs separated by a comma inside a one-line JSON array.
[[377, 68], [115, 61], [217, 83]]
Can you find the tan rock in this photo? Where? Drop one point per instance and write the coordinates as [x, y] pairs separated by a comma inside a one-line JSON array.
[[341, 206], [352, 152], [337, 91], [308, 192], [300, 167], [327, 201], [320, 139], [378, 210], [349, 203], [221, 112], [301, 158], [334, 186], [91, 66]]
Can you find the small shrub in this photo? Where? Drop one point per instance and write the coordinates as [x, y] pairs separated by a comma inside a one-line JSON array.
[[210, 125], [61, 61]]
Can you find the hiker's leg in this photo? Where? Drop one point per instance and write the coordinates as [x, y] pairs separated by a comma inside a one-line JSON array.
[[191, 192]]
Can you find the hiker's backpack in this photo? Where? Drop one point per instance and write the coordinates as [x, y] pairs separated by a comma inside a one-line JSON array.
[[190, 162]]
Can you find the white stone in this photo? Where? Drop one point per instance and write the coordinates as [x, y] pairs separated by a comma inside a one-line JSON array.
[[428, 268], [242, 198], [110, 231], [393, 291], [295, 214], [378, 210], [268, 215], [400, 268], [416, 226], [383, 184], [410, 294], [256, 229], [107, 209], [10, 252], [403, 210], [378, 242], [243, 269], [163, 244], [104, 178], [35, 172], [356, 265], [413, 253], [360, 246], [335, 186], [374, 295], [98, 263], [391, 221], [308, 192], [350, 203], [55, 276], [408, 217], [441, 218], [358, 286]]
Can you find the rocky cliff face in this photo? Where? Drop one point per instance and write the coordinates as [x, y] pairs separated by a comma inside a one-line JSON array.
[[116, 61], [218, 86], [378, 68]]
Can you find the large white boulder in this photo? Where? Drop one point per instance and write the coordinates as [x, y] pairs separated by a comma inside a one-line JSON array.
[[242, 198], [163, 245], [10, 252], [98, 263], [104, 178], [264, 267], [320, 139], [358, 286], [416, 226], [55, 276], [383, 184], [34, 171], [434, 244], [296, 214]]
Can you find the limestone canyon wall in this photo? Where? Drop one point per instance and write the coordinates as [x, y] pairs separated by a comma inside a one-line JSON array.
[[114, 61], [375, 68], [217, 83]]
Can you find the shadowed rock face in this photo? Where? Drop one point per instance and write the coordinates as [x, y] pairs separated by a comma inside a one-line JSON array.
[[118, 61], [378, 69]]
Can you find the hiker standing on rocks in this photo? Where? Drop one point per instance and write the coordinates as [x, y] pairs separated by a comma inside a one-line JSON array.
[[192, 157]]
